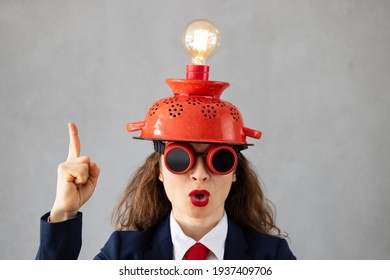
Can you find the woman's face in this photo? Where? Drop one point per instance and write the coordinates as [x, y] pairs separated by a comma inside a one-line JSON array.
[[198, 193]]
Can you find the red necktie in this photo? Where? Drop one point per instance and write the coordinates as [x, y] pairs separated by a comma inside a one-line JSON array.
[[197, 252]]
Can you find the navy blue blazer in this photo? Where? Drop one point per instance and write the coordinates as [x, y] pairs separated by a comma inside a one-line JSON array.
[[63, 241]]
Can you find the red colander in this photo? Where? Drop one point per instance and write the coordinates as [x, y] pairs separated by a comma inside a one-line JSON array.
[[195, 113]]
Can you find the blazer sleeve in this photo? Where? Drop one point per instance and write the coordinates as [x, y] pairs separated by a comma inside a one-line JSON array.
[[60, 241], [126, 245]]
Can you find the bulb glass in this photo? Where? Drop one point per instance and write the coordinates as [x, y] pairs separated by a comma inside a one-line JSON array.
[[201, 39]]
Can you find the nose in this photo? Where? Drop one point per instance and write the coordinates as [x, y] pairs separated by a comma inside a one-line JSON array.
[[200, 171]]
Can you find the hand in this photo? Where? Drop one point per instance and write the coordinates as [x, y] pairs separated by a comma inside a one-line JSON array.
[[76, 181]]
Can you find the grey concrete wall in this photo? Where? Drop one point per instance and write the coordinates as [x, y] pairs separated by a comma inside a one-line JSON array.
[[312, 75]]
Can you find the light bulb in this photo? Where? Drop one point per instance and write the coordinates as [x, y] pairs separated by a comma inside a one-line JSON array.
[[201, 39]]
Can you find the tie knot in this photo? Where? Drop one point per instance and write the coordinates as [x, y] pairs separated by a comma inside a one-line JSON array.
[[197, 252]]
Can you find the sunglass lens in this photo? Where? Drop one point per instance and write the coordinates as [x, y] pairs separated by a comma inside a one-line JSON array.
[[223, 160], [177, 160]]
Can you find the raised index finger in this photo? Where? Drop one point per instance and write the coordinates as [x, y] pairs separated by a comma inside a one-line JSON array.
[[74, 141]]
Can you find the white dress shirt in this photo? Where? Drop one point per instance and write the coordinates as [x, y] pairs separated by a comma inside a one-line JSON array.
[[214, 240]]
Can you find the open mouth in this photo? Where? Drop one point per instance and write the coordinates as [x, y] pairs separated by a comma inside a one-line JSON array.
[[199, 198]]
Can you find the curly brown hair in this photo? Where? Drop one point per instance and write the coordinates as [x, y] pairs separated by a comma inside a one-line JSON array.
[[144, 202]]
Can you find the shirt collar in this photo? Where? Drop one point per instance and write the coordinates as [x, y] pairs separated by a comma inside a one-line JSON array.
[[214, 239]]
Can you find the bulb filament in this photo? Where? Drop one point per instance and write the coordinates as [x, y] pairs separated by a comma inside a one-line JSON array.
[[200, 45]]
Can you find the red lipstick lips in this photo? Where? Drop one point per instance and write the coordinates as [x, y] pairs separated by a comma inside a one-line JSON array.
[[199, 198]]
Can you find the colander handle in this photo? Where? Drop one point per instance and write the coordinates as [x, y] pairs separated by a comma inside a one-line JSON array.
[[135, 126], [252, 132]]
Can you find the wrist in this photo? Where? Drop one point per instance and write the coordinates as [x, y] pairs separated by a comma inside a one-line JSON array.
[[58, 216]]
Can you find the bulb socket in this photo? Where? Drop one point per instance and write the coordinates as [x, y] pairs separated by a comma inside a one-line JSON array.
[[197, 72]]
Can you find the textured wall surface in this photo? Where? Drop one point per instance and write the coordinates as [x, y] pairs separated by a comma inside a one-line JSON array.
[[313, 76]]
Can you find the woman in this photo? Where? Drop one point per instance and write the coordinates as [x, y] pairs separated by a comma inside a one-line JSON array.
[[195, 197], [185, 194]]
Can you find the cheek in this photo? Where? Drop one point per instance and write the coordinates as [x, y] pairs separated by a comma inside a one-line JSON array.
[[227, 188], [172, 183], [176, 193], [223, 186], [230, 179]]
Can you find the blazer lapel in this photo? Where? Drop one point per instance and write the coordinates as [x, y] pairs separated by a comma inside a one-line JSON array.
[[236, 245], [161, 247]]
